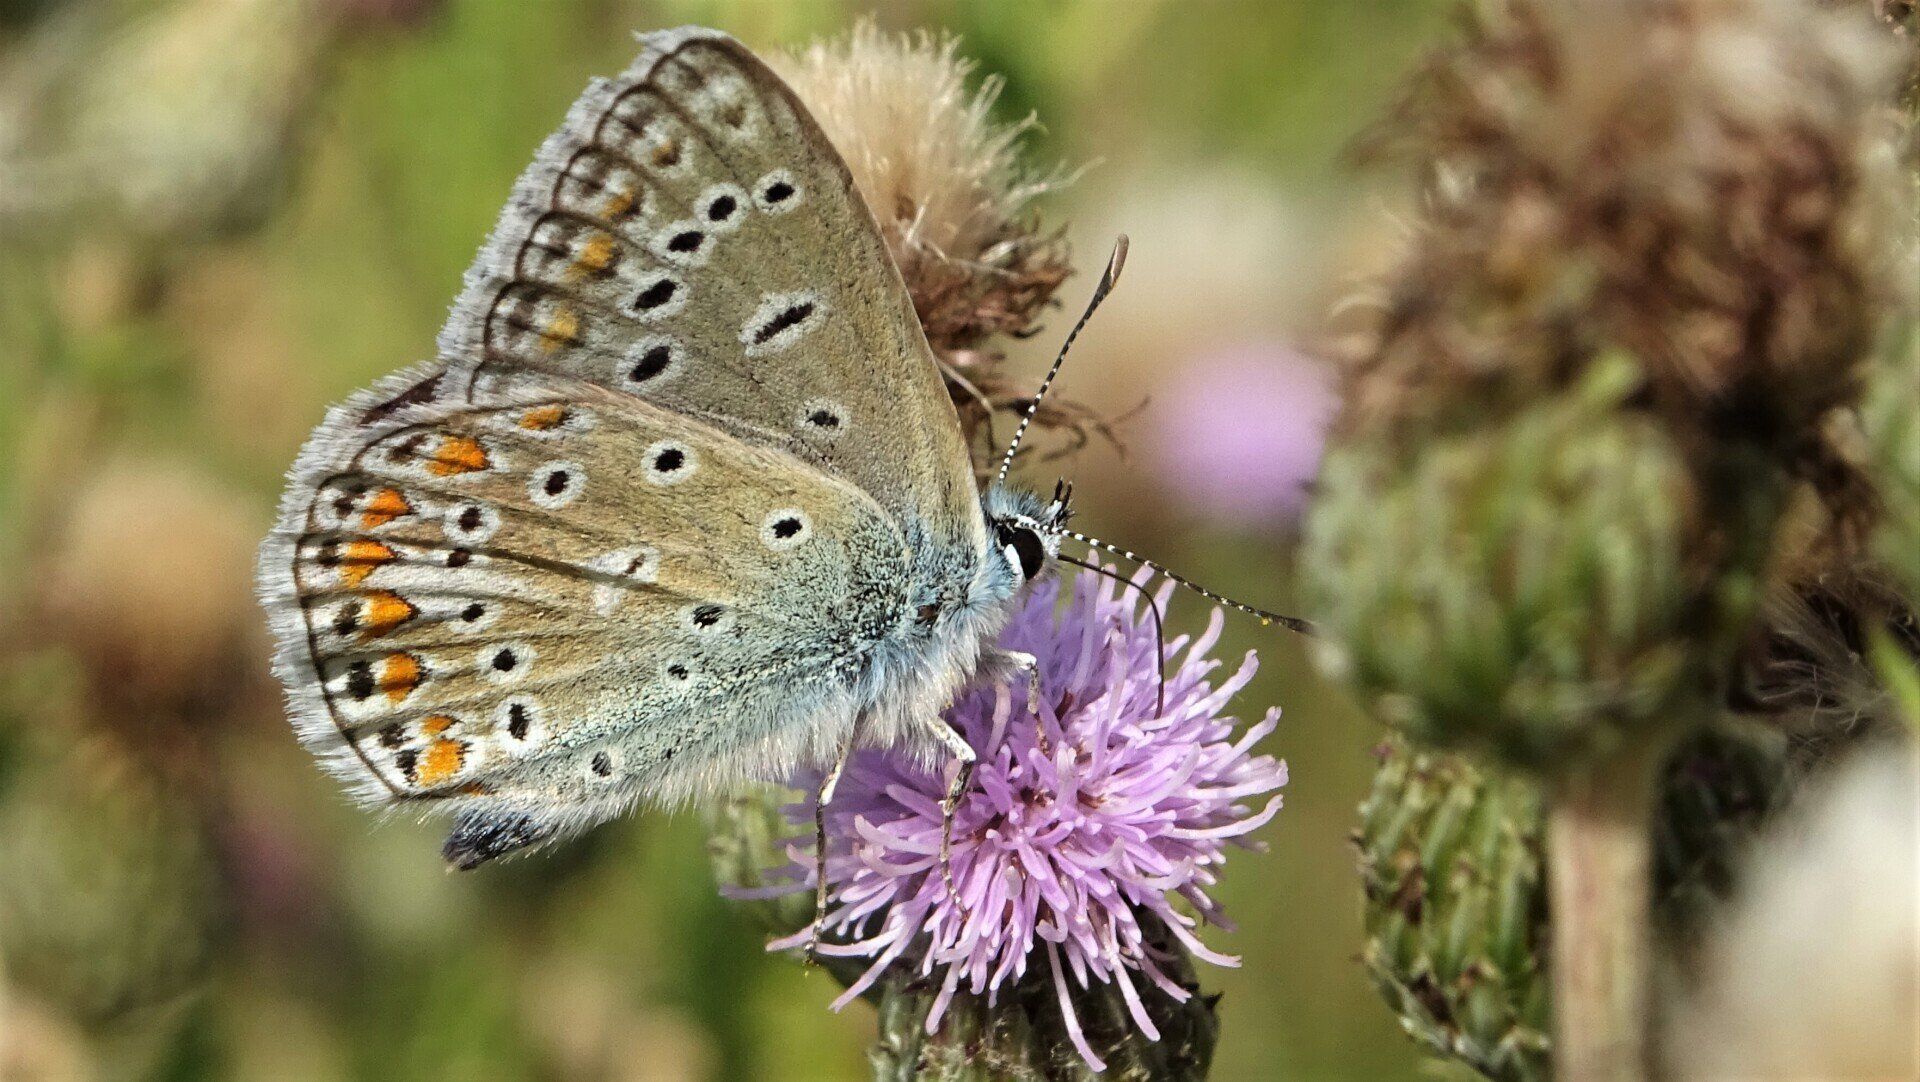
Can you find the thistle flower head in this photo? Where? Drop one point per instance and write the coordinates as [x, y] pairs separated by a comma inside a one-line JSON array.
[[1086, 834]]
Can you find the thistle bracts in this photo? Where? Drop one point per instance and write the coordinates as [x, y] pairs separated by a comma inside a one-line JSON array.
[[1519, 587], [1451, 858], [1451, 864]]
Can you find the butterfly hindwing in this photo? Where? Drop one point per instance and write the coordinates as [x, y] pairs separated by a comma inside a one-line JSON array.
[[554, 598], [689, 236]]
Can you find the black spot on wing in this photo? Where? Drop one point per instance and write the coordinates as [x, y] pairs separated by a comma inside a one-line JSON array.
[[788, 318]]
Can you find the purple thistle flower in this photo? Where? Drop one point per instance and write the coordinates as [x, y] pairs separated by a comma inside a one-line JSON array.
[[1074, 832]]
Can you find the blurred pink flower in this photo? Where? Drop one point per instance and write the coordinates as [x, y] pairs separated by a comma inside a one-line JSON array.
[[1237, 434]]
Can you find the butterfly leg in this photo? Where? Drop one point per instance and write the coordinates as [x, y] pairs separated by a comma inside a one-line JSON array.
[[1027, 663], [964, 759], [824, 797]]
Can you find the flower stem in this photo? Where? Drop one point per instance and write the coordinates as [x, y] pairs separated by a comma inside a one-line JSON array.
[[1600, 873]]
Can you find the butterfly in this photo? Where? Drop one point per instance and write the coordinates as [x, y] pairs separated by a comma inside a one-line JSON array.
[[682, 503]]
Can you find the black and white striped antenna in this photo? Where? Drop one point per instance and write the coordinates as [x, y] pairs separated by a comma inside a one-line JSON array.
[[1114, 263], [1291, 623]]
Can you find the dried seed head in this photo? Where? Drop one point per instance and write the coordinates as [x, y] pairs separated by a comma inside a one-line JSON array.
[[953, 201], [1700, 182], [943, 177], [146, 586]]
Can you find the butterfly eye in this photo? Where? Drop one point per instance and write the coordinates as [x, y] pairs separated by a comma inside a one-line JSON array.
[[1028, 551]]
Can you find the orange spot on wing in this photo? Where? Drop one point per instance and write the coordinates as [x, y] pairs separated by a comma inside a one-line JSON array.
[[667, 153], [399, 675], [383, 507], [618, 206], [435, 725], [442, 760], [595, 257], [458, 454], [359, 558], [384, 611], [562, 331], [544, 418]]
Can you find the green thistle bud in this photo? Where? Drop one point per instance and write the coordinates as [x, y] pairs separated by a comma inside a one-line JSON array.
[[746, 838], [1457, 916], [1450, 860], [1524, 587]]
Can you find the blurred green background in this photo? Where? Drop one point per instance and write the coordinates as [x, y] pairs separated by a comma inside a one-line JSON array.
[[217, 216]]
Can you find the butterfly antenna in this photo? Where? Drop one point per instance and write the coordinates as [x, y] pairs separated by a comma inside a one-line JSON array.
[[1114, 263], [1291, 623], [1159, 627]]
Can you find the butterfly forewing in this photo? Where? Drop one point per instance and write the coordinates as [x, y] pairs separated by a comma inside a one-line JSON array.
[[690, 237]]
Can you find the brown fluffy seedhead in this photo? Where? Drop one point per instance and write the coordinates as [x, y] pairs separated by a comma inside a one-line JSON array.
[[943, 177], [953, 202], [1701, 183], [1809, 672]]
